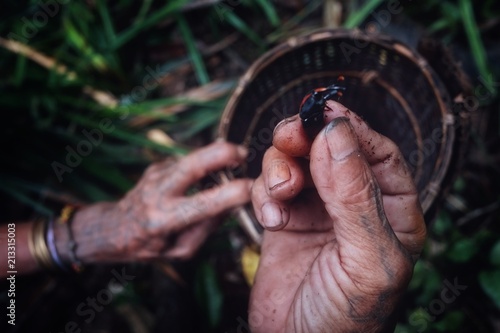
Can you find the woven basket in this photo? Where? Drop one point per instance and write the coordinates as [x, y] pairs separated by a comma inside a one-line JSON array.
[[389, 85]]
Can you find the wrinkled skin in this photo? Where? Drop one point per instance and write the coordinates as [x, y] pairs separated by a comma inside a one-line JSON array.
[[157, 219], [343, 229]]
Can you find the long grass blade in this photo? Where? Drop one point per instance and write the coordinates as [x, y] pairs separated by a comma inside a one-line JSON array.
[[202, 119], [356, 17], [476, 43], [270, 11], [146, 5], [172, 7], [196, 58], [88, 189], [294, 21], [80, 44], [241, 26], [109, 30], [20, 71], [123, 134], [11, 188], [109, 175]]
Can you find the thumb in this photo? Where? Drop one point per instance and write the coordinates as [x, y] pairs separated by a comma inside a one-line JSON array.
[[347, 186]]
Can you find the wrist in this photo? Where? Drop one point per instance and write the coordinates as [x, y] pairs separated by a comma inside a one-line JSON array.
[[85, 238], [41, 244]]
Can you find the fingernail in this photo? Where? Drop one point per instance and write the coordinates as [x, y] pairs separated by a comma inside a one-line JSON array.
[[277, 174], [271, 215], [341, 138], [242, 151], [283, 122]]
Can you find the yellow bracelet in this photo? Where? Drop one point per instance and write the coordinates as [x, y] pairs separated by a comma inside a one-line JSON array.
[[38, 245], [66, 217]]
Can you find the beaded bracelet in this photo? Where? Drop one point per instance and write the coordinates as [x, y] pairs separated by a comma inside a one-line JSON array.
[[66, 217]]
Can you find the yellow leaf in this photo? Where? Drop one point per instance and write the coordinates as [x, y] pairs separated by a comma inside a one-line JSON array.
[[249, 263]]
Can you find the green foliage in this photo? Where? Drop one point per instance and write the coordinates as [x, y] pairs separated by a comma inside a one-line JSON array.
[[475, 41], [98, 47], [270, 12], [495, 254], [490, 282], [448, 257], [489, 279], [356, 17], [199, 66], [209, 294]]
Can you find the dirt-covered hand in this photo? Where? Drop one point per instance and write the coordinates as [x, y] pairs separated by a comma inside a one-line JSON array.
[[343, 224]]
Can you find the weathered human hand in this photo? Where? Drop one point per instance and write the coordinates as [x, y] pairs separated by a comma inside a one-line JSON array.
[[343, 229], [157, 219]]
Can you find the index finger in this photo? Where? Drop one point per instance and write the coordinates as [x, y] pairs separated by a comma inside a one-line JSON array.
[[198, 164]]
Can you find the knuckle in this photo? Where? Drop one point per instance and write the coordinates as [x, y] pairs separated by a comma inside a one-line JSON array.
[[183, 212], [218, 150], [257, 190]]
